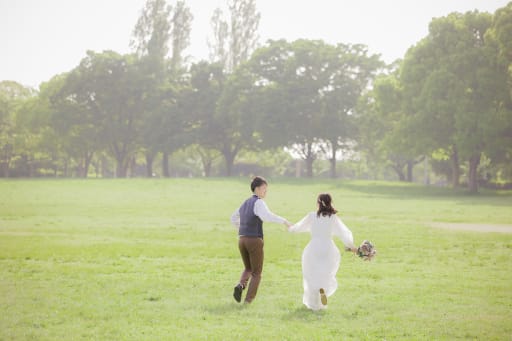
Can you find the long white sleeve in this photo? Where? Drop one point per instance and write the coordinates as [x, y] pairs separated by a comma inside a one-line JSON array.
[[262, 211], [341, 230], [235, 218], [304, 225]]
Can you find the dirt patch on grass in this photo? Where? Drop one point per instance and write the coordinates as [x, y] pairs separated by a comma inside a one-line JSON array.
[[474, 227]]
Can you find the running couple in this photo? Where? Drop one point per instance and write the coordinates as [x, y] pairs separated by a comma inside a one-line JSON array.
[[320, 258]]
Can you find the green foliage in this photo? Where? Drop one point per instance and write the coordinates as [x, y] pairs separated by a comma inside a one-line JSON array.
[[454, 89], [15, 140], [451, 94], [310, 92], [157, 259], [152, 32]]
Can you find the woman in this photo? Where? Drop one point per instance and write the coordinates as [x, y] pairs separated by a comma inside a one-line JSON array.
[[249, 220], [321, 257]]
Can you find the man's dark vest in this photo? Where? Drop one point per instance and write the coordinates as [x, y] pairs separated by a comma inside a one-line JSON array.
[[250, 224]]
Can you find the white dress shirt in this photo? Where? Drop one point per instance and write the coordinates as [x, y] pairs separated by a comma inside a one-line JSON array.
[[262, 211]]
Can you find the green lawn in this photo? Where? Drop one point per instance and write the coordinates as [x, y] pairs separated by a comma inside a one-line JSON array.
[[156, 259]]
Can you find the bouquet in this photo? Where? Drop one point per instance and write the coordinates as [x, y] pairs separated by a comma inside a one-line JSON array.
[[366, 250]]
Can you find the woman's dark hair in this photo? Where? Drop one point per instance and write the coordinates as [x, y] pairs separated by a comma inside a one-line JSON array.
[[257, 181], [325, 205]]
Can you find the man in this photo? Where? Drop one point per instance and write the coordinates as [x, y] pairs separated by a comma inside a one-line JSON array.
[[249, 219]]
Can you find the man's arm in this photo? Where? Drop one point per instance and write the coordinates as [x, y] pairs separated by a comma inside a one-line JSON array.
[[262, 211], [235, 218]]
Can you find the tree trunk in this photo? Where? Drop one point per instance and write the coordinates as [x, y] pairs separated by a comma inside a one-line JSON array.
[[121, 165], [65, 170], [4, 168], [31, 168], [333, 162], [310, 158], [455, 169], [426, 177], [410, 166], [398, 168], [474, 161], [207, 167], [122, 159], [87, 163], [401, 175], [229, 157], [165, 164], [132, 167], [230, 160], [104, 167], [298, 168], [149, 164], [309, 166], [121, 169], [80, 168]]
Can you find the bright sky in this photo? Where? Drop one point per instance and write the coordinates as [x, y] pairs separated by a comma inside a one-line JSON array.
[[42, 38]]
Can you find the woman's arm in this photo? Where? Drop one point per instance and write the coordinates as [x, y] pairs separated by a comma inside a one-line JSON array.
[[341, 231], [304, 225]]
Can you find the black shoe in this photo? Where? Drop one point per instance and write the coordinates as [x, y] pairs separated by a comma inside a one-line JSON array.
[[237, 293]]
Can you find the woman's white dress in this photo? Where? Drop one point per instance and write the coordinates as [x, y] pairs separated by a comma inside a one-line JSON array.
[[321, 257]]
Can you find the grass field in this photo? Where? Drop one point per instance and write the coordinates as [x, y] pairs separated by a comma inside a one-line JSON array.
[[155, 259]]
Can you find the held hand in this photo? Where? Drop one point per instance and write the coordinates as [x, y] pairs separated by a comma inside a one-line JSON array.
[[287, 224]]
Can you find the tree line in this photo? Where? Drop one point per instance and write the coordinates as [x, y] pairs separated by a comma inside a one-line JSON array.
[[447, 101]]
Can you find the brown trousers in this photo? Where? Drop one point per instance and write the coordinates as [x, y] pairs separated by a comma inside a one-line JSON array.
[[251, 250]]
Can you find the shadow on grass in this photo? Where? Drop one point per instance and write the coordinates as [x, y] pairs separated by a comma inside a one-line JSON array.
[[304, 314], [396, 189], [408, 191], [225, 308], [299, 313]]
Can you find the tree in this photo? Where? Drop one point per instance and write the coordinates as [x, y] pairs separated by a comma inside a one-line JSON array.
[[372, 127], [450, 79], [310, 94], [353, 72], [151, 34], [234, 41], [233, 108], [398, 142], [218, 45], [293, 75], [180, 33], [51, 144], [207, 81], [12, 96], [74, 121], [236, 116], [499, 38], [161, 30], [107, 86]]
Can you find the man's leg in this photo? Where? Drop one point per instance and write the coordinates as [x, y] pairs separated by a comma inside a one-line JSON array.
[[254, 248], [244, 253]]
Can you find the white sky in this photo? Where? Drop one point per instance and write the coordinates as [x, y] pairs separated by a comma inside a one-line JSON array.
[[42, 38]]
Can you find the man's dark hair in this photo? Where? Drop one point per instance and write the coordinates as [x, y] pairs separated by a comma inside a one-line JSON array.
[[257, 181]]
